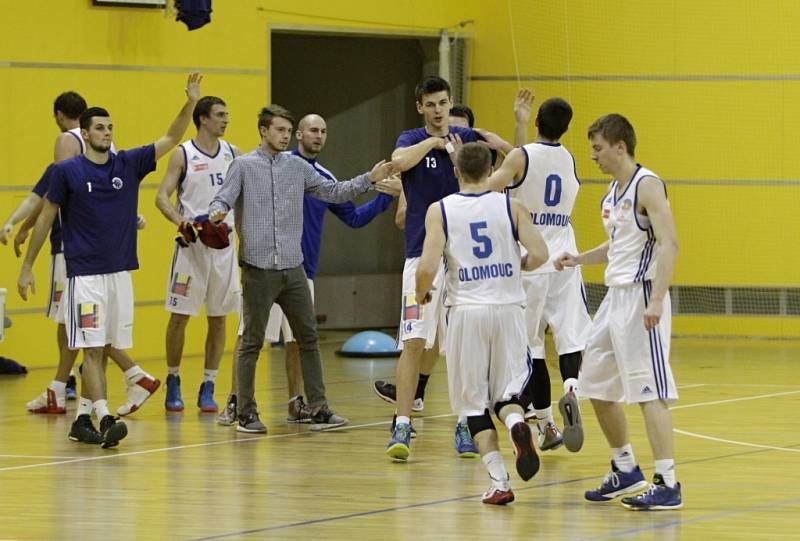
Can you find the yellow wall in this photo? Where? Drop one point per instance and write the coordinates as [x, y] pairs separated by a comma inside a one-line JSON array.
[[713, 92], [134, 63], [689, 129]]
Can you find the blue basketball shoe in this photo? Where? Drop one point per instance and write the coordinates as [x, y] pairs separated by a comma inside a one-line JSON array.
[[399, 446], [617, 483], [205, 398], [659, 497], [463, 443], [173, 402]]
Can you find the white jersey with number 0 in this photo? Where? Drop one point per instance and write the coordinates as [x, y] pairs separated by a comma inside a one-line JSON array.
[[633, 252], [202, 178], [482, 254], [548, 189]]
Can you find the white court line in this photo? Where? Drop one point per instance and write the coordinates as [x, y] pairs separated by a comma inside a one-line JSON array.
[[248, 438], [746, 444], [348, 427], [730, 400], [38, 456]]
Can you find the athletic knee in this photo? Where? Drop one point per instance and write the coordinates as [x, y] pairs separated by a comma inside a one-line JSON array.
[[514, 400], [479, 423]]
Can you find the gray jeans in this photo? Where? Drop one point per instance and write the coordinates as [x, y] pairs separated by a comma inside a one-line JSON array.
[[289, 288]]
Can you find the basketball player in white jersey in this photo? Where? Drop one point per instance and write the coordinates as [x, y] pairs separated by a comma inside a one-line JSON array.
[[542, 175], [488, 362], [199, 275], [67, 109], [627, 355]]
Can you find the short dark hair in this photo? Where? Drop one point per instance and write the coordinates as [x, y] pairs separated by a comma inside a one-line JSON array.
[[268, 113], [70, 103], [203, 108], [474, 161], [430, 85], [464, 112], [615, 128], [86, 116], [553, 118]]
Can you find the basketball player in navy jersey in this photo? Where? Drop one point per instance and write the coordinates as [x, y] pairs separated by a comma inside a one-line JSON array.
[[423, 156], [627, 356], [198, 275], [67, 109], [488, 362], [96, 195], [542, 175]]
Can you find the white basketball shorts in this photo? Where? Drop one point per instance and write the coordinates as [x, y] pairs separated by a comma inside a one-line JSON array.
[[419, 320], [202, 275], [99, 311], [487, 356], [556, 299], [623, 361]]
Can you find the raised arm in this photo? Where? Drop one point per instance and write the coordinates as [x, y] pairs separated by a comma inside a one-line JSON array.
[[653, 198], [407, 157], [168, 186], [40, 232], [432, 251], [523, 106], [176, 130], [510, 171], [529, 237]]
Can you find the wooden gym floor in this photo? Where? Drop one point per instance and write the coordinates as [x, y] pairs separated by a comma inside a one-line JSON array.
[[737, 440]]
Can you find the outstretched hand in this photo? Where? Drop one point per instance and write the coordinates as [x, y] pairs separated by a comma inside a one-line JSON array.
[[390, 186], [565, 260], [193, 86], [523, 105], [381, 170]]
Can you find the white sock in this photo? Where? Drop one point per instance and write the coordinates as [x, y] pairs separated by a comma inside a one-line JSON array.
[[666, 467], [133, 374], [512, 419], [101, 409], [497, 469], [403, 420], [623, 458], [72, 372], [209, 375], [84, 407], [59, 387], [571, 384], [544, 416], [173, 370]]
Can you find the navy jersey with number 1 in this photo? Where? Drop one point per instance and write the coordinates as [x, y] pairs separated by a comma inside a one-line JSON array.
[[98, 210]]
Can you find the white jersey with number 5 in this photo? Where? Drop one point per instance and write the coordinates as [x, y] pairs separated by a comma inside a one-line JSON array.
[[202, 178], [548, 189], [633, 252], [482, 255]]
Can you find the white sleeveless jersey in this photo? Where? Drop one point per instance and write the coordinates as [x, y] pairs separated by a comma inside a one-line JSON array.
[[482, 255], [549, 188], [202, 178], [633, 252], [77, 133]]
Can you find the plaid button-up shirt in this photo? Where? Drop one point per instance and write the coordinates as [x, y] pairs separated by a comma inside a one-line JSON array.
[[266, 195]]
